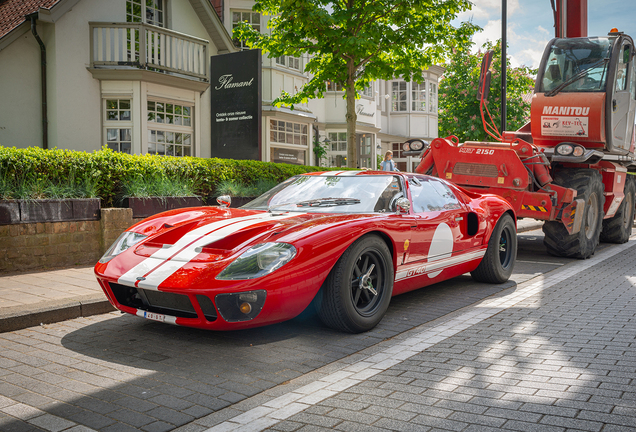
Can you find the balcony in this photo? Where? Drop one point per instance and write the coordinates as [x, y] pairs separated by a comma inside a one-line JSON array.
[[144, 47]]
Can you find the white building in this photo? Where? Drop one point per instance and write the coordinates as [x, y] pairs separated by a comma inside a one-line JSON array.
[[388, 112], [129, 74], [134, 75]]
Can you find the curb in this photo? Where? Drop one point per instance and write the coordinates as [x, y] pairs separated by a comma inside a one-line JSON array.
[[20, 317]]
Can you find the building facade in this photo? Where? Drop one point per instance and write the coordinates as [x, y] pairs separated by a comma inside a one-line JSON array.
[[128, 74], [133, 75]]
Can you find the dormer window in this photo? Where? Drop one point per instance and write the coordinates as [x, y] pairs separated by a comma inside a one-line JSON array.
[[146, 11]]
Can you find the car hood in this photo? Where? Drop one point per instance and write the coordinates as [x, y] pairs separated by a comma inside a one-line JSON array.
[[212, 234]]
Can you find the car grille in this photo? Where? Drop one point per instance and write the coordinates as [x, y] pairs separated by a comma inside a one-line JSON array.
[[474, 169], [178, 305]]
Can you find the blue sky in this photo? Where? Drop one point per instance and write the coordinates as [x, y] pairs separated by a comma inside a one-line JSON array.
[[531, 24]]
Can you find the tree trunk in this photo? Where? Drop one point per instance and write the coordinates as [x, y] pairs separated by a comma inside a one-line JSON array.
[[352, 147]]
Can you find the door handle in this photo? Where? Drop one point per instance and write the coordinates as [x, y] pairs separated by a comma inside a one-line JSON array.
[[613, 104]]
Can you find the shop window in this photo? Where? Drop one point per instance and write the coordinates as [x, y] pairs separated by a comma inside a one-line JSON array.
[[285, 132], [338, 141], [165, 143], [368, 90]]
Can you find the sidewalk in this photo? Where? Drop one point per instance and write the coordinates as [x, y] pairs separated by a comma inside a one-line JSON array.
[[31, 299], [556, 353]]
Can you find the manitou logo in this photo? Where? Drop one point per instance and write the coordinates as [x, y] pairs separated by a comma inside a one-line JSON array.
[[556, 110]]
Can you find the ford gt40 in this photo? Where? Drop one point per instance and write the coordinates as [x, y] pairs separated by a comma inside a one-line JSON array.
[[343, 242]]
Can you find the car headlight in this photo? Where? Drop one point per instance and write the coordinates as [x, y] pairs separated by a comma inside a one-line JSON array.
[[125, 241], [259, 260]]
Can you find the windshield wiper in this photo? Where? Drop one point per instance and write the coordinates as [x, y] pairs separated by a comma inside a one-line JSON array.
[[573, 78], [328, 202]]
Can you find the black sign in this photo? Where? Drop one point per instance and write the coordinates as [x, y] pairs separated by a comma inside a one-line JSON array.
[[235, 85]]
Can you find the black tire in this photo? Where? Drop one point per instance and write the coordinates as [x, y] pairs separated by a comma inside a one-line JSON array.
[[589, 186], [497, 264], [344, 304], [617, 229]]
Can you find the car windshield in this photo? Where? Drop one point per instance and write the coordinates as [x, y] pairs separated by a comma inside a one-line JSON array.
[[577, 65], [332, 194]]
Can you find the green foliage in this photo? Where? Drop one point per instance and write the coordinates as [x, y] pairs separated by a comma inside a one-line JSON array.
[[158, 185], [320, 149], [459, 113], [27, 173], [353, 43], [239, 189]]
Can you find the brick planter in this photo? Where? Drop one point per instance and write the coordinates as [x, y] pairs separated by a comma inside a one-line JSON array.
[[49, 210], [144, 207]]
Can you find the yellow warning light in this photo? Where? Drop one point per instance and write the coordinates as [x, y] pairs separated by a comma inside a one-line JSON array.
[[614, 30], [245, 308]]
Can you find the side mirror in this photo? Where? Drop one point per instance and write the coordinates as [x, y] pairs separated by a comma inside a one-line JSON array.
[[484, 76], [224, 201], [413, 147], [403, 206]]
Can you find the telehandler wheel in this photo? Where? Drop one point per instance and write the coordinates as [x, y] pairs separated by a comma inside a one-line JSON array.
[[589, 186], [617, 229]]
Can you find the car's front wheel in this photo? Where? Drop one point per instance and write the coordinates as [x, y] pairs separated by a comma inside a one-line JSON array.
[[358, 290]]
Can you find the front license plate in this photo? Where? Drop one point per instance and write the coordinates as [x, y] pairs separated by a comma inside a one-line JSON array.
[[154, 316]]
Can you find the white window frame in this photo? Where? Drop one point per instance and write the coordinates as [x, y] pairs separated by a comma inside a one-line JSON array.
[[117, 124], [396, 96], [256, 26], [166, 129], [432, 97], [290, 62], [130, 16], [419, 97], [368, 90]]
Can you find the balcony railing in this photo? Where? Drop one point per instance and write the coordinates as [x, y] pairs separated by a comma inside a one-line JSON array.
[[144, 46]]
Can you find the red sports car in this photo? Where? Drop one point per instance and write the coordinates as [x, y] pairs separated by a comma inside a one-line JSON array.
[[345, 241]]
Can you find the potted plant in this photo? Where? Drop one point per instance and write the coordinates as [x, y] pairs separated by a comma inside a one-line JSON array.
[[155, 193]]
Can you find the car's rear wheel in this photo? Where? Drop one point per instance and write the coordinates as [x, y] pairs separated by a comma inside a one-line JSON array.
[[497, 264], [358, 290]]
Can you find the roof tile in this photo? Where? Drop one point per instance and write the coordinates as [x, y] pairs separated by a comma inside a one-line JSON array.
[[13, 12]]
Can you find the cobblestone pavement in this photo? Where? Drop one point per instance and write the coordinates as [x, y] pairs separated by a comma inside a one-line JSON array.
[[120, 373], [557, 354]]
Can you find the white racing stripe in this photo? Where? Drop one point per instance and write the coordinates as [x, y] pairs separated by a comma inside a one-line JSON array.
[[419, 269], [165, 262]]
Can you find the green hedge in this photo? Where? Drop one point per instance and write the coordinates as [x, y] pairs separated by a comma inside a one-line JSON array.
[[108, 169]]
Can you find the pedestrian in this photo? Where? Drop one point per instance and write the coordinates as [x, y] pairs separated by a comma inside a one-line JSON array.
[[387, 163]]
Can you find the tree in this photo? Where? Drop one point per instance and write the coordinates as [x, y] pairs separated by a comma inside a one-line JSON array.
[[353, 42], [459, 113]]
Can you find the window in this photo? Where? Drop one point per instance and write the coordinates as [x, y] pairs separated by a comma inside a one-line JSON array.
[[289, 61], [432, 97], [146, 11], [119, 140], [333, 86], [160, 112], [418, 97], [164, 143], [118, 125], [170, 129], [368, 90], [338, 141], [252, 18], [288, 133], [398, 96], [430, 195], [118, 109]]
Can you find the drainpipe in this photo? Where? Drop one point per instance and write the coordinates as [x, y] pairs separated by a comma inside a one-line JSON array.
[[45, 121]]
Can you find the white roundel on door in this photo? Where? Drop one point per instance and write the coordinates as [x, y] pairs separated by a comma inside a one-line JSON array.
[[441, 246]]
